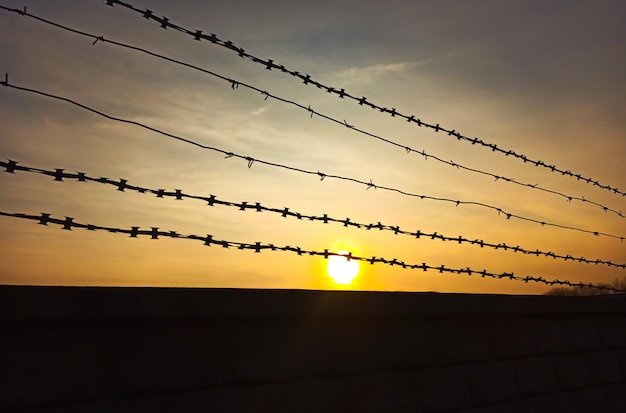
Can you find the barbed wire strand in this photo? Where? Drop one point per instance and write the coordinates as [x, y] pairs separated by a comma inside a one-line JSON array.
[[250, 161], [212, 200], [341, 93], [235, 84], [154, 233]]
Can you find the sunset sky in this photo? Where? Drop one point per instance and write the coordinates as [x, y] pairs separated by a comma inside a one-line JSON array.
[[546, 79]]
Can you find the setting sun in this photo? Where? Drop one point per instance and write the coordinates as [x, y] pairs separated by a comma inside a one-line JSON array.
[[342, 270]]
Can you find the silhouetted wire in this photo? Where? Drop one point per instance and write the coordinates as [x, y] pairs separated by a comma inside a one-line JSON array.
[[235, 85], [341, 93], [212, 200], [322, 175], [154, 233]]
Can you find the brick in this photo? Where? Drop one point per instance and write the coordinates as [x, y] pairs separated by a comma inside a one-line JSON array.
[[464, 341], [572, 371], [604, 368], [342, 347], [266, 350], [621, 355], [408, 344], [224, 400], [494, 408], [594, 400], [613, 332], [306, 396], [44, 365], [443, 389], [154, 404], [511, 338], [390, 391], [163, 357], [263, 398], [618, 397], [583, 333], [362, 393], [549, 337], [492, 382], [535, 376], [555, 402]]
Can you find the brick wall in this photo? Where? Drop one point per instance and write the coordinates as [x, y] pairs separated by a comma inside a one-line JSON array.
[[187, 350]]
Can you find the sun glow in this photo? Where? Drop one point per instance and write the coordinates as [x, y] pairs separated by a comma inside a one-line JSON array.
[[342, 270]]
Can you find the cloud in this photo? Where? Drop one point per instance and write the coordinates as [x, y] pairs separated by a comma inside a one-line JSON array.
[[260, 111], [368, 74]]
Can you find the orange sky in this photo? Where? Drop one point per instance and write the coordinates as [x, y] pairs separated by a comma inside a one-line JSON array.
[[541, 80]]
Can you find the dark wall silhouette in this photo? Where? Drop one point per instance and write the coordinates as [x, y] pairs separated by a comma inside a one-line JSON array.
[[196, 350]]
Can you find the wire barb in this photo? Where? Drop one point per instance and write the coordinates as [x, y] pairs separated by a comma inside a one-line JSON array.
[[341, 93], [235, 84], [68, 223], [154, 233], [299, 170], [62, 176], [304, 171]]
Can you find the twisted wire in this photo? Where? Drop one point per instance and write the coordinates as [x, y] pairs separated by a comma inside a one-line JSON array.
[[235, 84], [212, 200], [250, 161], [341, 93], [154, 233]]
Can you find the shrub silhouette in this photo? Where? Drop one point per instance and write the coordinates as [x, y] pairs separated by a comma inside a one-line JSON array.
[[619, 284]]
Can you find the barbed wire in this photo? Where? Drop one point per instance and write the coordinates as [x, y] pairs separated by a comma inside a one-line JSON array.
[[154, 233], [250, 161], [235, 84], [212, 200], [341, 93]]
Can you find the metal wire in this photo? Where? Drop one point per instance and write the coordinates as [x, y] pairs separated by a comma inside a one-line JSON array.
[[68, 223], [341, 93], [212, 200], [250, 161], [235, 84]]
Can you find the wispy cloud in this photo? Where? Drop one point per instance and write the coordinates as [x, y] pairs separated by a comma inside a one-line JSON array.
[[368, 74], [260, 111]]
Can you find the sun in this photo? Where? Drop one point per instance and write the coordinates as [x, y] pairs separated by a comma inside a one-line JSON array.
[[342, 270]]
